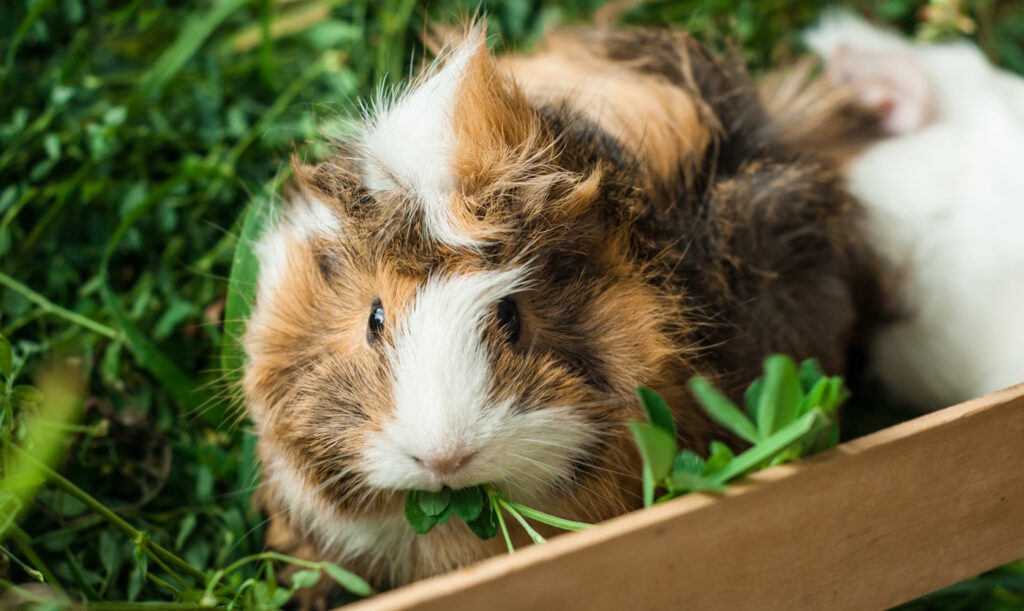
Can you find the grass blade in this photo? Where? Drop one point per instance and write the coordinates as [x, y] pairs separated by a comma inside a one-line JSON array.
[[190, 39], [242, 284]]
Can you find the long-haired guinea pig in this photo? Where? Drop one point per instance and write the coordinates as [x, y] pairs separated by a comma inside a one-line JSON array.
[[945, 206], [471, 289]]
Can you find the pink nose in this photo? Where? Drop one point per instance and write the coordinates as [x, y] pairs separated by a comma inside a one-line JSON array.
[[445, 464]]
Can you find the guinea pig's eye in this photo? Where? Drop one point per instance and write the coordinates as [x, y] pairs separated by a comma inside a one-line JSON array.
[[376, 323], [508, 319]]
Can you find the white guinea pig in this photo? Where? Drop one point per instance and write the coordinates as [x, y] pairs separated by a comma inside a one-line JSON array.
[[945, 202]]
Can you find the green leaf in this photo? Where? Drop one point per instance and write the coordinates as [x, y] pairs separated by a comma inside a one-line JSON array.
[[110, 365], [138, 575], [306, 578], [687, 473], [110, 552], [720, 457], [262, 595], [836, 395], [280, 598], [141, 559], [781, 395], [70, 507], [135, 583], [833, 436], [753, 396], [688, 461], [6, 357], [722, 410], [204, 483], [24, 480], [347, 579], [329, 35], [414, 514], [657, 410], [657, 448], [26, 396], [764, 451], [446, 515], [683, 481], [177, 312], [793, 452], [814, 397], [188, 524], [434, 503], [468, 503], [485, 525], [810, 374]]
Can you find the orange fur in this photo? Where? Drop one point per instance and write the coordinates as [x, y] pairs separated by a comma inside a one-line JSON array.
[[660, 123]]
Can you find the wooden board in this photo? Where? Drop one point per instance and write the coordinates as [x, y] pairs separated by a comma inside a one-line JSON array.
[[872, 523]]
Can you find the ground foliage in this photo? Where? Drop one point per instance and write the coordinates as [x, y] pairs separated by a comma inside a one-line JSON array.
[[132, 137]]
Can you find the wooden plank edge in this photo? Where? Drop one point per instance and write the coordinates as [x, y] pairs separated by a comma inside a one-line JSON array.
[[437, 589]]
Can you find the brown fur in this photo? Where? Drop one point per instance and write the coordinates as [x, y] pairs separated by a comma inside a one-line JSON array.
[[813, 114], [654, 119], [672, 229]]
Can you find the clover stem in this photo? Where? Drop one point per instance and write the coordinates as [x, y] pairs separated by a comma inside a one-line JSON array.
[[492, 496], [536, 536], [546, 518]]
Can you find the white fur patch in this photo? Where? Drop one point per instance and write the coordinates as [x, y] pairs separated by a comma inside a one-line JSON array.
[[305, 217], [379, 537], [408, 144], [444, 399], [945, 205]]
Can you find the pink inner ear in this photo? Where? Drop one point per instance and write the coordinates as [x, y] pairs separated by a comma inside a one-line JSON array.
[[889, 83]]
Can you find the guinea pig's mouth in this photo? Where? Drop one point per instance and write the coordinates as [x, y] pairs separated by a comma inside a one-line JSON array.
[[451, 469], [525, 454]]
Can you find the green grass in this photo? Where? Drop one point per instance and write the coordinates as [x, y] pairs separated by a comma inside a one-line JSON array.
[[133, 136]]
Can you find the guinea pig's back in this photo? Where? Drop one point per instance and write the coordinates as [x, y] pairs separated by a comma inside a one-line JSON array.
[[630, 83], [744, 215]]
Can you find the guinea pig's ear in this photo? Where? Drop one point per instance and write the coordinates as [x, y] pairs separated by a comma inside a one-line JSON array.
[[890, 83], [501, 146], [879, 65], [495, 128]]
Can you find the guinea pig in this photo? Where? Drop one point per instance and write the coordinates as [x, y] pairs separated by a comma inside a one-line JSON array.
[[944, 196], [472, 288]]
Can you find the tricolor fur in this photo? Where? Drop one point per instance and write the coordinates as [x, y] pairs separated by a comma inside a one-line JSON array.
[[632, 198]]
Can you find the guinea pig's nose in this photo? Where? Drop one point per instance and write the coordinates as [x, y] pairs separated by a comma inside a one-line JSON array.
[[445, 463]]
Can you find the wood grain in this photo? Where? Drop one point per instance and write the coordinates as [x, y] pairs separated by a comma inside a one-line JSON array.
[[872, 523]]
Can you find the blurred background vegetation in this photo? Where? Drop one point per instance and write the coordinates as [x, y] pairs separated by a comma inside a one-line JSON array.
[[133, 135]]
